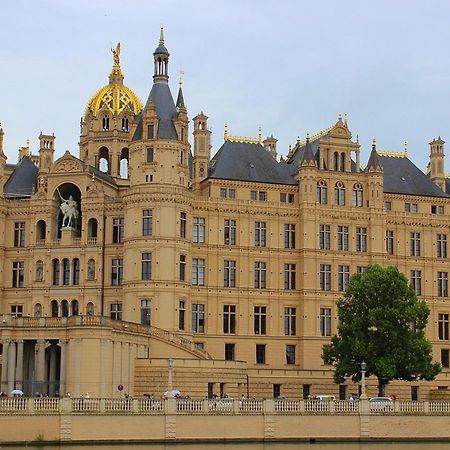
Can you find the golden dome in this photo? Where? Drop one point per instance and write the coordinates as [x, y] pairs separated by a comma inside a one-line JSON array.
[[115, 97]]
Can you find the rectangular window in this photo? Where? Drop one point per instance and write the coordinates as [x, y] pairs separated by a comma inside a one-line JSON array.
[[361, 239], [146, 266], [443, 326], [183, 221], [441, 245], [18, 274], [260, 319], [361, 269], [414, 244], [198, 318], [182, 267], [19, 234], [229, 232], [229, 273], [324, 237], [325, 277], [437, 209], [229, 319], [230, 352], [325, 322], [260, 275], [390, 242], [116, 271], [416, 281], [445, 357], [260, 354], [289, 321], [253, 195], [150, 131], [181, 315], [150, 154], [342, 237], [198, 271], [289, 276], [388, 206], [147, 222], [442, 284], [411, 207], [258, 195], [260, 234], [116, 311], [343, 277], [198, 230], [290, 354], [146, 312], [17, 310], [283, 197], [223, 193], [231, 194], [289, 235], [117, 230]]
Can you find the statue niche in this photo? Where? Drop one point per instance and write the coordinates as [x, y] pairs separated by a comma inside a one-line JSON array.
[[68, 198]]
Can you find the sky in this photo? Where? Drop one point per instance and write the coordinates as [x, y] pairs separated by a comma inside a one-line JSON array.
[[287, 66]]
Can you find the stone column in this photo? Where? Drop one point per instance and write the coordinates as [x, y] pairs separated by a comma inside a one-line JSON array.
[[19, 365], [39, 365], [76, 364], [11, 366], [4, 385], [52, 372], [63, 368]]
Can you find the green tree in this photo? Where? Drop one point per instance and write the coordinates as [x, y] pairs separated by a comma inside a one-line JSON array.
[[382, 323]]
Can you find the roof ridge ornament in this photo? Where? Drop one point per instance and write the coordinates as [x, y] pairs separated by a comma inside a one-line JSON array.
[[161, 36]]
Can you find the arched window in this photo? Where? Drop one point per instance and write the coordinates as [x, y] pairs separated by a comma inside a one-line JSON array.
[[335, 161], [342, 163], [91, 270], [92, 228], [123, 163], [66, 271], [74, 307], [54, 308], [105, 123], [125, 123], [90, 309], [103, 160], [76, 272], [322, 192], [64, 308], [56, 272], [39, 270], [339, 194], [37, 310], [41, 228], [358, 195]]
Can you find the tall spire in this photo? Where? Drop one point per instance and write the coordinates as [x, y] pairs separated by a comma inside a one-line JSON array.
[[180, 98], [373, 165], [161, 61]]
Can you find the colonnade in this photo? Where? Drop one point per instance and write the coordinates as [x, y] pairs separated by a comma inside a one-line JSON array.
[[24, 366]]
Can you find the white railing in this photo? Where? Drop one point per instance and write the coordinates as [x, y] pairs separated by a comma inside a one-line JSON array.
[[49, 405]]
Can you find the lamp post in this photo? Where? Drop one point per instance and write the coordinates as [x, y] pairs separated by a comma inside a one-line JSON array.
[[363, 381]]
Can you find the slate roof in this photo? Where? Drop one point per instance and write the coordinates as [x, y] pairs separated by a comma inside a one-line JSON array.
[[401, 176], [374, 161], [23, 180], [248, 162], [162, 99]]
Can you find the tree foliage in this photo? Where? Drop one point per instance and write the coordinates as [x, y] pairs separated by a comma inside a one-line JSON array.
[[382, 323]]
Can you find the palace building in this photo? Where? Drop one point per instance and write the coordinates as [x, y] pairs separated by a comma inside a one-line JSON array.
[[144, 264]]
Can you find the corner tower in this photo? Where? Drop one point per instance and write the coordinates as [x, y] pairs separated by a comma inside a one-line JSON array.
[[437, 172]]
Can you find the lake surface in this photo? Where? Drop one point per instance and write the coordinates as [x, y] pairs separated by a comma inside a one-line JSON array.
[[388, 445]]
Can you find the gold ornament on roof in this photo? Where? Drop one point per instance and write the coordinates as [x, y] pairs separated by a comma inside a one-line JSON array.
[[242, 139], [115, 97]]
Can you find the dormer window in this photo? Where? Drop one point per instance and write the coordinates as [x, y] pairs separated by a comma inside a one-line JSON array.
[[125, 124], [105, 123]]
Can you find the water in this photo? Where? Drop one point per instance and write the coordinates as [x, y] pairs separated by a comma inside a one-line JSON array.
[[385, 445]]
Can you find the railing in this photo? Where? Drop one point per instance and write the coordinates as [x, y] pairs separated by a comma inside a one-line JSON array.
[[128, 406]]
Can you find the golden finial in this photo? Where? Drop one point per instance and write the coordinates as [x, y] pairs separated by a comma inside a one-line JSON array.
[[180, 82], [161, 36], [225, 133], [259, 135], [116, 55]]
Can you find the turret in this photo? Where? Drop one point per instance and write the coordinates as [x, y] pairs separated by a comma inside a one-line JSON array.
[[202, 147], [436, 167], [374, 173], [307, 174], [270, 144], [46, 152]]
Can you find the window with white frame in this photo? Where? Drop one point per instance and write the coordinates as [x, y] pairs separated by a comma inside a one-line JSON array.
[[325, 321], [198, 271], [198, 230]]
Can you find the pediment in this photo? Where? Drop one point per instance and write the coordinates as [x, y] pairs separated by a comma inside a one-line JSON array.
[[340, 131], [67, 163]]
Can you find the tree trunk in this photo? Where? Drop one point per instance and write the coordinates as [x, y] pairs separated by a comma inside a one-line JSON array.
[[381, 385]]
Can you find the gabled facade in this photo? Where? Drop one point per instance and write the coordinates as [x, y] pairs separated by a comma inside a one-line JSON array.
[[211, 275]]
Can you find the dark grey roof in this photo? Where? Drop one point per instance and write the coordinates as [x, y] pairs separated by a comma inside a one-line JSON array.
[[161, 49], [401, 176], [180, 99], [102, 175], [308, 154], [162, 99], [248, 162], [374, 162], [23, 180]]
